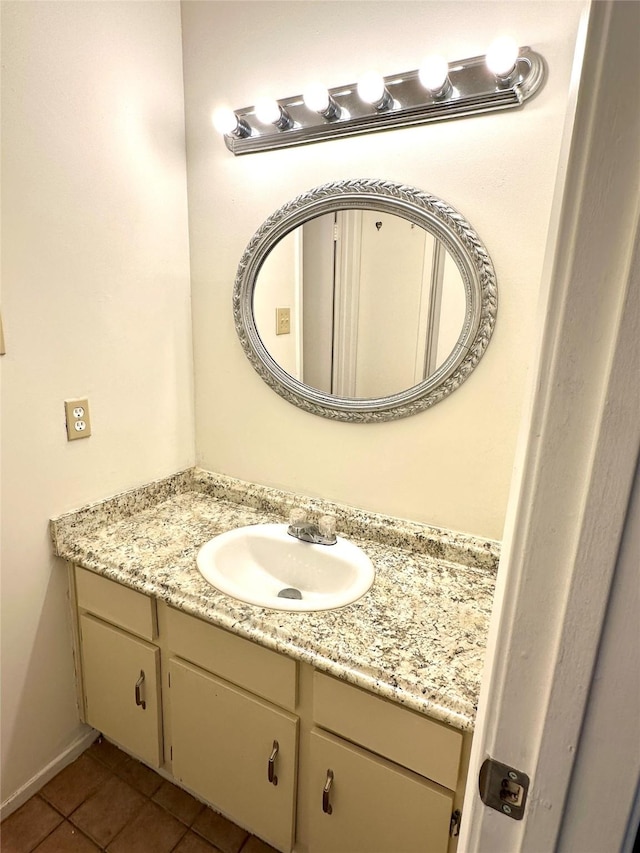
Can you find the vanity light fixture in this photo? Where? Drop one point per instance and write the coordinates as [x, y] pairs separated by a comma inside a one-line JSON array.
[[505, 78]]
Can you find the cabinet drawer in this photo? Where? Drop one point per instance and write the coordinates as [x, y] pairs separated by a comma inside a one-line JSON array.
[[259, 670], [404, 736], [117, 604], [372, 804]]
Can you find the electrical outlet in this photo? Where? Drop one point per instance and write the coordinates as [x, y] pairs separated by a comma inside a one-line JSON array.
[[283, 321], [78, 421]]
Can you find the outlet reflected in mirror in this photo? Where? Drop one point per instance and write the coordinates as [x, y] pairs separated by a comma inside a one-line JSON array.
[[377, 303]]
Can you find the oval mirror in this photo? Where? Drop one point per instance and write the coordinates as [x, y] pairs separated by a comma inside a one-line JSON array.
[[365, 300]]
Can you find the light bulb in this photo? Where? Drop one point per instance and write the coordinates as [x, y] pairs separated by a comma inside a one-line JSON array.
[[225, 120], [371, 87], [372, 90], [316, 97], [502, 56], [434, 73], [268, 111]]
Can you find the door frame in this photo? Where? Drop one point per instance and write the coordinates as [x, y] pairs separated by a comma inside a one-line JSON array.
[[576, 456], [348, 252]]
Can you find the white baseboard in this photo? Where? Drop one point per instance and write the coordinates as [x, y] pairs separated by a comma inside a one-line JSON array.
[[76, 748]]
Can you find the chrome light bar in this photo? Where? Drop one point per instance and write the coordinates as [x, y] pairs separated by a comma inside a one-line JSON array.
[[469, 88]]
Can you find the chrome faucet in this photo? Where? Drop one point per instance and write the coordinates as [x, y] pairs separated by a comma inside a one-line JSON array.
[[322, 533]]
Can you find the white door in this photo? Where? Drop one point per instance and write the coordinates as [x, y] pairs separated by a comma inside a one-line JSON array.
[[573, 474]]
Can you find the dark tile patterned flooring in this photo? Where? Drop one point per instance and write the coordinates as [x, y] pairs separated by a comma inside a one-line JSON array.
[[108, 801]]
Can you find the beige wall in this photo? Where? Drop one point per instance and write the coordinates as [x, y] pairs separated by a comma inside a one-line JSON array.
[[448, 466], [95, 278], [95, 302], [278, 288]]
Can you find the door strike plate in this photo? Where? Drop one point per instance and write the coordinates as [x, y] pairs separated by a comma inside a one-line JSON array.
[[503, 788]]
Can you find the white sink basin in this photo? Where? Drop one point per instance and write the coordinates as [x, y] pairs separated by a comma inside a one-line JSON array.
[[256, 563]]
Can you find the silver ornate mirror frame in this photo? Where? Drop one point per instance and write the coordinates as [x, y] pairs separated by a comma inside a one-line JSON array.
[[430, 213]]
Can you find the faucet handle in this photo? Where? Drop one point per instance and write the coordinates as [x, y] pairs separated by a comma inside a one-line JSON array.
[[297, 516], [327, 526]]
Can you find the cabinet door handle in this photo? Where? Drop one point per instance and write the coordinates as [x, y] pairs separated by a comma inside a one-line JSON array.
[[271, 765], [326, 805], [139, 700]]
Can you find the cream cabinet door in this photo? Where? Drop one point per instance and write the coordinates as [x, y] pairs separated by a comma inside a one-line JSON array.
[[364, 804], [121, 677], [235, 750]]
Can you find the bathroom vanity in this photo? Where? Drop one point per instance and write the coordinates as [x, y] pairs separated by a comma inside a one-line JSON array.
[[344, 730]]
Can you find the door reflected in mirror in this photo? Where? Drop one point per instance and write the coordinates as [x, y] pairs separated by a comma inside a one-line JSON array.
[[377, 304]]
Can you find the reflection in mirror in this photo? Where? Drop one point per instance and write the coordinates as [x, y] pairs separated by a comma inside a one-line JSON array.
[[376, 303], [365, 300]]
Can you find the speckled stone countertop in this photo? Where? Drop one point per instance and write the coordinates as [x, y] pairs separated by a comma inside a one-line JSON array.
[[417, 637]]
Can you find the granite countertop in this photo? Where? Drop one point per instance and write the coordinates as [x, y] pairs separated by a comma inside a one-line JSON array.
[[417, 637]]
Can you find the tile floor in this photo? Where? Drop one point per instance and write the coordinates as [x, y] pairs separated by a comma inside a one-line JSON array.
[[107, 801]]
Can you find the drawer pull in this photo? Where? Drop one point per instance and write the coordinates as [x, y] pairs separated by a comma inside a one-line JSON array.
[[326, 805], [271, 765], [139, 700]]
